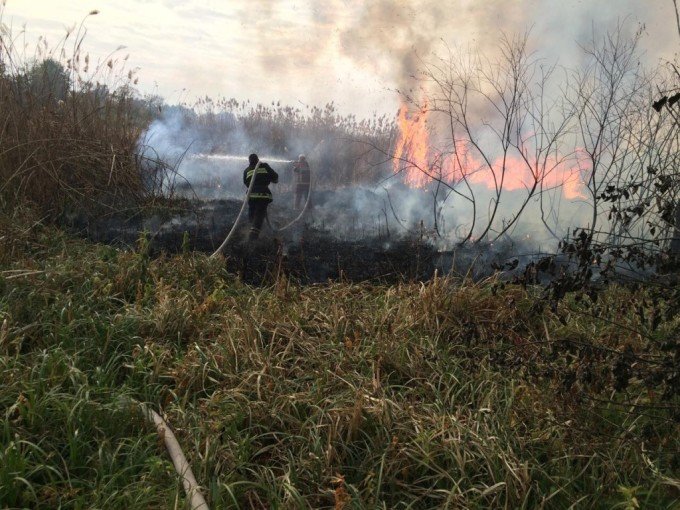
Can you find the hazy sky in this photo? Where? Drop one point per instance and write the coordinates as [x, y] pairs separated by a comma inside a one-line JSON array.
[[349, 51]]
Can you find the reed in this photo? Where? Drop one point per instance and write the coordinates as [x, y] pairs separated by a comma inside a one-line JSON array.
[[68, 138]]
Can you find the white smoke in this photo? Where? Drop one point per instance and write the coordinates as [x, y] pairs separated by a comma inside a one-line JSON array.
[[198, 171], [387, 210]]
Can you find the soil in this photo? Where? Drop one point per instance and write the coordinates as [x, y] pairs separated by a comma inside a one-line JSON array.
[[306, 252]]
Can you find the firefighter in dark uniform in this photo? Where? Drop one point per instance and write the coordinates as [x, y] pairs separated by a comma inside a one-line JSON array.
[[302, 181], [260, 196]]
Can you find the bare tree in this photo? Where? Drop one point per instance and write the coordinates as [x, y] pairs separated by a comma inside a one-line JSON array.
[[603, 94], [508, 133], [631, 148], [500, 130]]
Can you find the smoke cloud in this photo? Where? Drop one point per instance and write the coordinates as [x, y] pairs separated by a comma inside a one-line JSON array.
[[391, 39], [211, 168]]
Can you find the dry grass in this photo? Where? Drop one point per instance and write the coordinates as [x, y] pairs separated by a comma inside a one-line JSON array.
[[70, 127]]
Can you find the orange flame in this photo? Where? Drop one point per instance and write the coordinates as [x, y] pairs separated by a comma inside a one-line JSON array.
[[418, 162], [551, 173], [412, 148]]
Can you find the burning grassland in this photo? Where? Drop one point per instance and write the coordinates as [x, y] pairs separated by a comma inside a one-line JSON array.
[[392, 348], [345, 235]]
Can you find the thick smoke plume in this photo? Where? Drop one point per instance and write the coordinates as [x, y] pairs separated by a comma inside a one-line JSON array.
[[392, 38]]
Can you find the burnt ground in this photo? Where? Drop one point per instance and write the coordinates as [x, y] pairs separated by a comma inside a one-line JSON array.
[[312, 251]]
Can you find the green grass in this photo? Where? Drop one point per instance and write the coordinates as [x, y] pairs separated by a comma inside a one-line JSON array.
[[446, 394]]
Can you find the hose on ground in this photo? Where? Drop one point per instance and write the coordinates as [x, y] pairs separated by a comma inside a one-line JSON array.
[[309, 194], [191, 488], [238, 218], [290, 224]]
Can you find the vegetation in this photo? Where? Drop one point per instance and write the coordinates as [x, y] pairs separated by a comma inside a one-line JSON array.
[[447, 393], [444, 394], [72, 139], [68, 140]]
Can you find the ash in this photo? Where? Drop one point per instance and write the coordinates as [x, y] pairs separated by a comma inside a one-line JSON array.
[[323, 246]]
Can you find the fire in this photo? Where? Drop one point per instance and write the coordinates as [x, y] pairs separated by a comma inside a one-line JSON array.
[[418, 161], [551, 173], [412, 148]]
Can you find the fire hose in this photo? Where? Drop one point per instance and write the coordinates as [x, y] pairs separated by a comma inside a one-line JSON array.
[[309, 194], [191, 487], [240, 214], [243, 208], [304, 209]]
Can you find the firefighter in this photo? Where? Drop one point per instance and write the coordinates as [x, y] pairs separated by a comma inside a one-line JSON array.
[[302, 181], [260, 196]]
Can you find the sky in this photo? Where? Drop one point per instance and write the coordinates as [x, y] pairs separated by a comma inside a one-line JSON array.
[[306, 52]]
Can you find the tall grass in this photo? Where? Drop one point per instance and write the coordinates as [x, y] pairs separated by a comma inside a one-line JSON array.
[[71, 138], [70, 127], [439, 395], [341, 146]]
